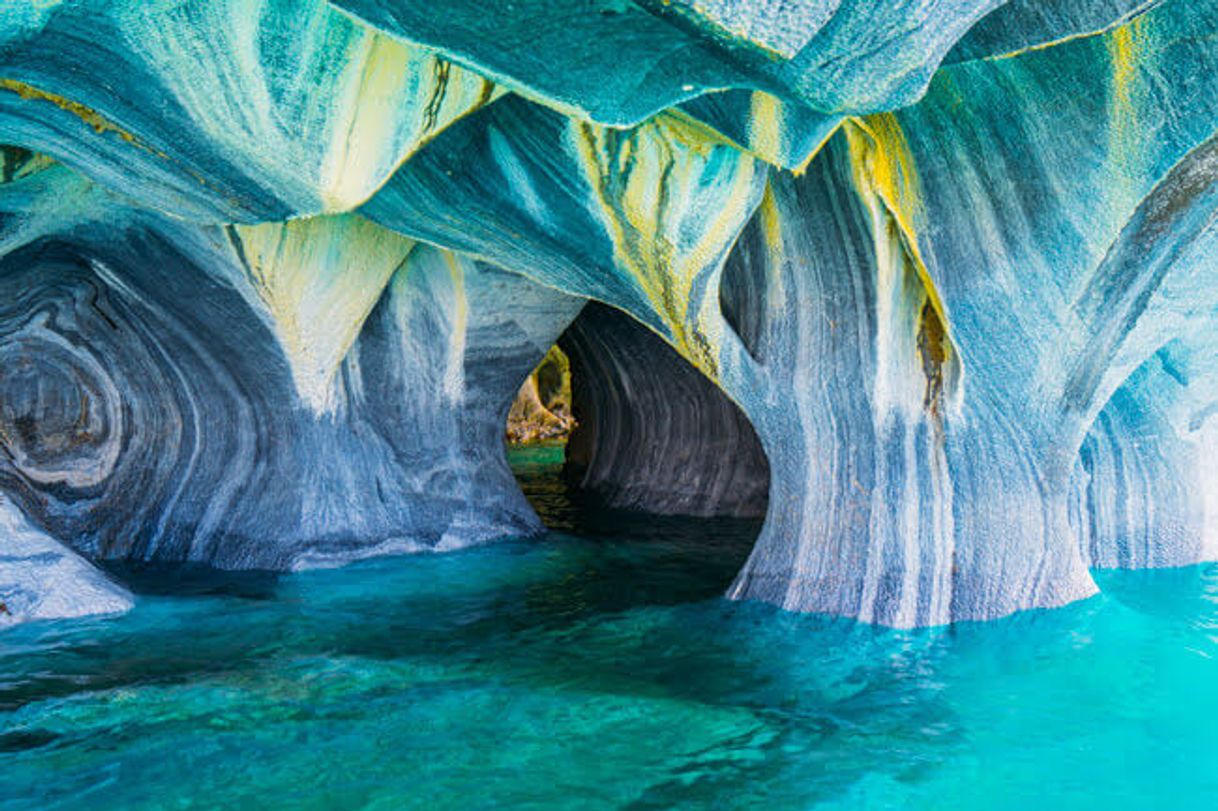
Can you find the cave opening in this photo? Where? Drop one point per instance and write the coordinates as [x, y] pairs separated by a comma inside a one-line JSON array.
[[615, 438]]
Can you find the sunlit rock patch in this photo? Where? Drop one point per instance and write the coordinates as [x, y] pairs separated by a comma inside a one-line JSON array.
[[541, 411], [272, 276], [41, 579]]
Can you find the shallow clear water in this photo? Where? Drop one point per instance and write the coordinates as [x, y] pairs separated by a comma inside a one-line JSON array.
[[598, 671]]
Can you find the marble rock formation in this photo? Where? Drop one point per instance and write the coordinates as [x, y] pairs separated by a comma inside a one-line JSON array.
[[653, 434], [941, 273], [273, 396]]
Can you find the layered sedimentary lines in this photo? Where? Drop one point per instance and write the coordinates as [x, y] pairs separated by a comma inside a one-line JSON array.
[[940, 275], [861, 517]]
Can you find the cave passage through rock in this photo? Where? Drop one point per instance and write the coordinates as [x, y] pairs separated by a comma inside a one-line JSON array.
[[614, 426]]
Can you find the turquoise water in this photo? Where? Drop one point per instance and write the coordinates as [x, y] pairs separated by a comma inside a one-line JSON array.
[[596, 669]]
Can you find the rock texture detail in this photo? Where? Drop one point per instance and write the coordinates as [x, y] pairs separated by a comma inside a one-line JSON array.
[[271, 275]]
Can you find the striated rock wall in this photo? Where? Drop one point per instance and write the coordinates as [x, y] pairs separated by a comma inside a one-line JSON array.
[[653, 433], [1147, 472], [950, 325]]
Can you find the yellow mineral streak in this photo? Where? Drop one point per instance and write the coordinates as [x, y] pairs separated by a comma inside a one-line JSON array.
[[643, 181], [766, 136], [94, 119], [385, 78], [318, 279], [454, 372], [16, 164], [1123, 45], [771, 221], [1127, 48], [101, 125], [885, 175], [883, 165], [711, 135], [384, 70], [766, 127], [886, 179], [1130, 17], [771, 228]]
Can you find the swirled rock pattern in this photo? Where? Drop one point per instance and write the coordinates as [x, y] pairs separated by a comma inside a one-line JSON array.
[[270, 274], [230, 110], [150, 409]]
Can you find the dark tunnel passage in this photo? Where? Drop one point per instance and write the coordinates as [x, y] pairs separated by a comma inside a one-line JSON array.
[[661, 472], [652, 433]]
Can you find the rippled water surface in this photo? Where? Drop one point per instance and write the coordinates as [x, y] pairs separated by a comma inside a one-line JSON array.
[[597, 669]]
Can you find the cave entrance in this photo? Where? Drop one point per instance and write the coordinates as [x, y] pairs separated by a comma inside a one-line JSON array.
[[616, 436]]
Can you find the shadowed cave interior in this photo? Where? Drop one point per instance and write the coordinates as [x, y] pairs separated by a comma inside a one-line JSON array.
[[615, 424]]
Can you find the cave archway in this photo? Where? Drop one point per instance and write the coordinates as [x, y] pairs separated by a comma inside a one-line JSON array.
[[655, 451], [652, 434]]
